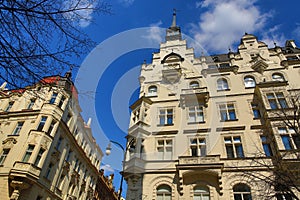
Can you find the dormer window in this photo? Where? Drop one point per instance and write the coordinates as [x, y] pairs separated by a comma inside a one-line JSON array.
[[152, 90], [194, 84], [277, 77]]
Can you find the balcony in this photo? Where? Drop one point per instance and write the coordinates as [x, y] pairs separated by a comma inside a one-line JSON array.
[[134, 165], [211, 161], [290, 155], [192, 95], [22, 169]]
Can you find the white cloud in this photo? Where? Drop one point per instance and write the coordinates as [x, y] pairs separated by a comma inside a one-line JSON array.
[[107, 168], [296, 32], [225, 21], [155, 33], [126, 2], [83, 11], [273, 36]]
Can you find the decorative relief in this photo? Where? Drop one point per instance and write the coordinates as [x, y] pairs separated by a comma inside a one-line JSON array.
[[9, 142]]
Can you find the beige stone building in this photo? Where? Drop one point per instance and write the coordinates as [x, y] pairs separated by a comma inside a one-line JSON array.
[[213, 127], [47, 151]]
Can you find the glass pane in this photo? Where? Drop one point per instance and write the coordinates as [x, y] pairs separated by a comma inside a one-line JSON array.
[[229, 150], [224, 115], [232, 115], [239, 151], [237, 197], [286, 142], [237, 139]]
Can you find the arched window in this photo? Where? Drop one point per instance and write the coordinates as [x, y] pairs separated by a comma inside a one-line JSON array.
[[152, 90], [242, 192], [222, 84], [201, 193], [249, 82], [277, 77], [163, 192], [194, 84]]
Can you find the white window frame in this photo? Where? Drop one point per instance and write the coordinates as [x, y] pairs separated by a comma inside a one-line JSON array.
[[234, 141], [222, 84], [249, 82], [18, 128], [198, 143], [195, 114], [164, 147], [163, 113]]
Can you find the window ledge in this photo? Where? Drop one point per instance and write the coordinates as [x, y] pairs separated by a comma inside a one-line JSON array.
[[203, 122], [165, 124], [223, 90], [229, 120]]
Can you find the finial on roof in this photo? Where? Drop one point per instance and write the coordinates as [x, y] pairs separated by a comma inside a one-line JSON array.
[[275, 45], [88, 124], [174, 18]]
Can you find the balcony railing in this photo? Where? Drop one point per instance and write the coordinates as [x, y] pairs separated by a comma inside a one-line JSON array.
[[21, 168], [202, 90], [196, 160]]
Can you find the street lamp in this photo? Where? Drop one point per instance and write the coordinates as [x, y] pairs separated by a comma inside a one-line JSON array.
[[128, 147]]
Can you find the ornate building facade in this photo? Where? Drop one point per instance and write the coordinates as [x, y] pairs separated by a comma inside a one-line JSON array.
[[216, 127], [47, 150]]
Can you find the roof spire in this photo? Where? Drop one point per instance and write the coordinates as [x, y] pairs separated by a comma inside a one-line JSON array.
[[173, 32], [174, 18]]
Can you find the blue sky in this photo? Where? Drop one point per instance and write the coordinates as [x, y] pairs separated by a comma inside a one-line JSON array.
[[108, 79]]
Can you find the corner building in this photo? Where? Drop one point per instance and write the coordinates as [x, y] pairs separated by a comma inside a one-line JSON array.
[[207, 127], [47, 150]]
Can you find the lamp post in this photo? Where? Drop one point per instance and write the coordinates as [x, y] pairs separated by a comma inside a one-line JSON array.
[[108, 151]]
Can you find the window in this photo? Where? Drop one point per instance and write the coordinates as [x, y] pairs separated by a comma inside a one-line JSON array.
[[28, 153], [42, 123], [164, 149], [277, 100], [166, 116], [61, 101], [59, 143], [277, 77], [51, 126], [222, 84], [152, 90], [290, 139], [136, 115], [3, 155], [255, 109], [234, 148], [163, 192], [31, 104], [10, 104], [39, 156], [242, 192], [227, 112], [201, 193], [48, 171], [196, 114], [18, 128], [194, 84], [69, 118], [69, 155], [266, 146], [249, 82], [53, 98], [286, 196], [198, 146]]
